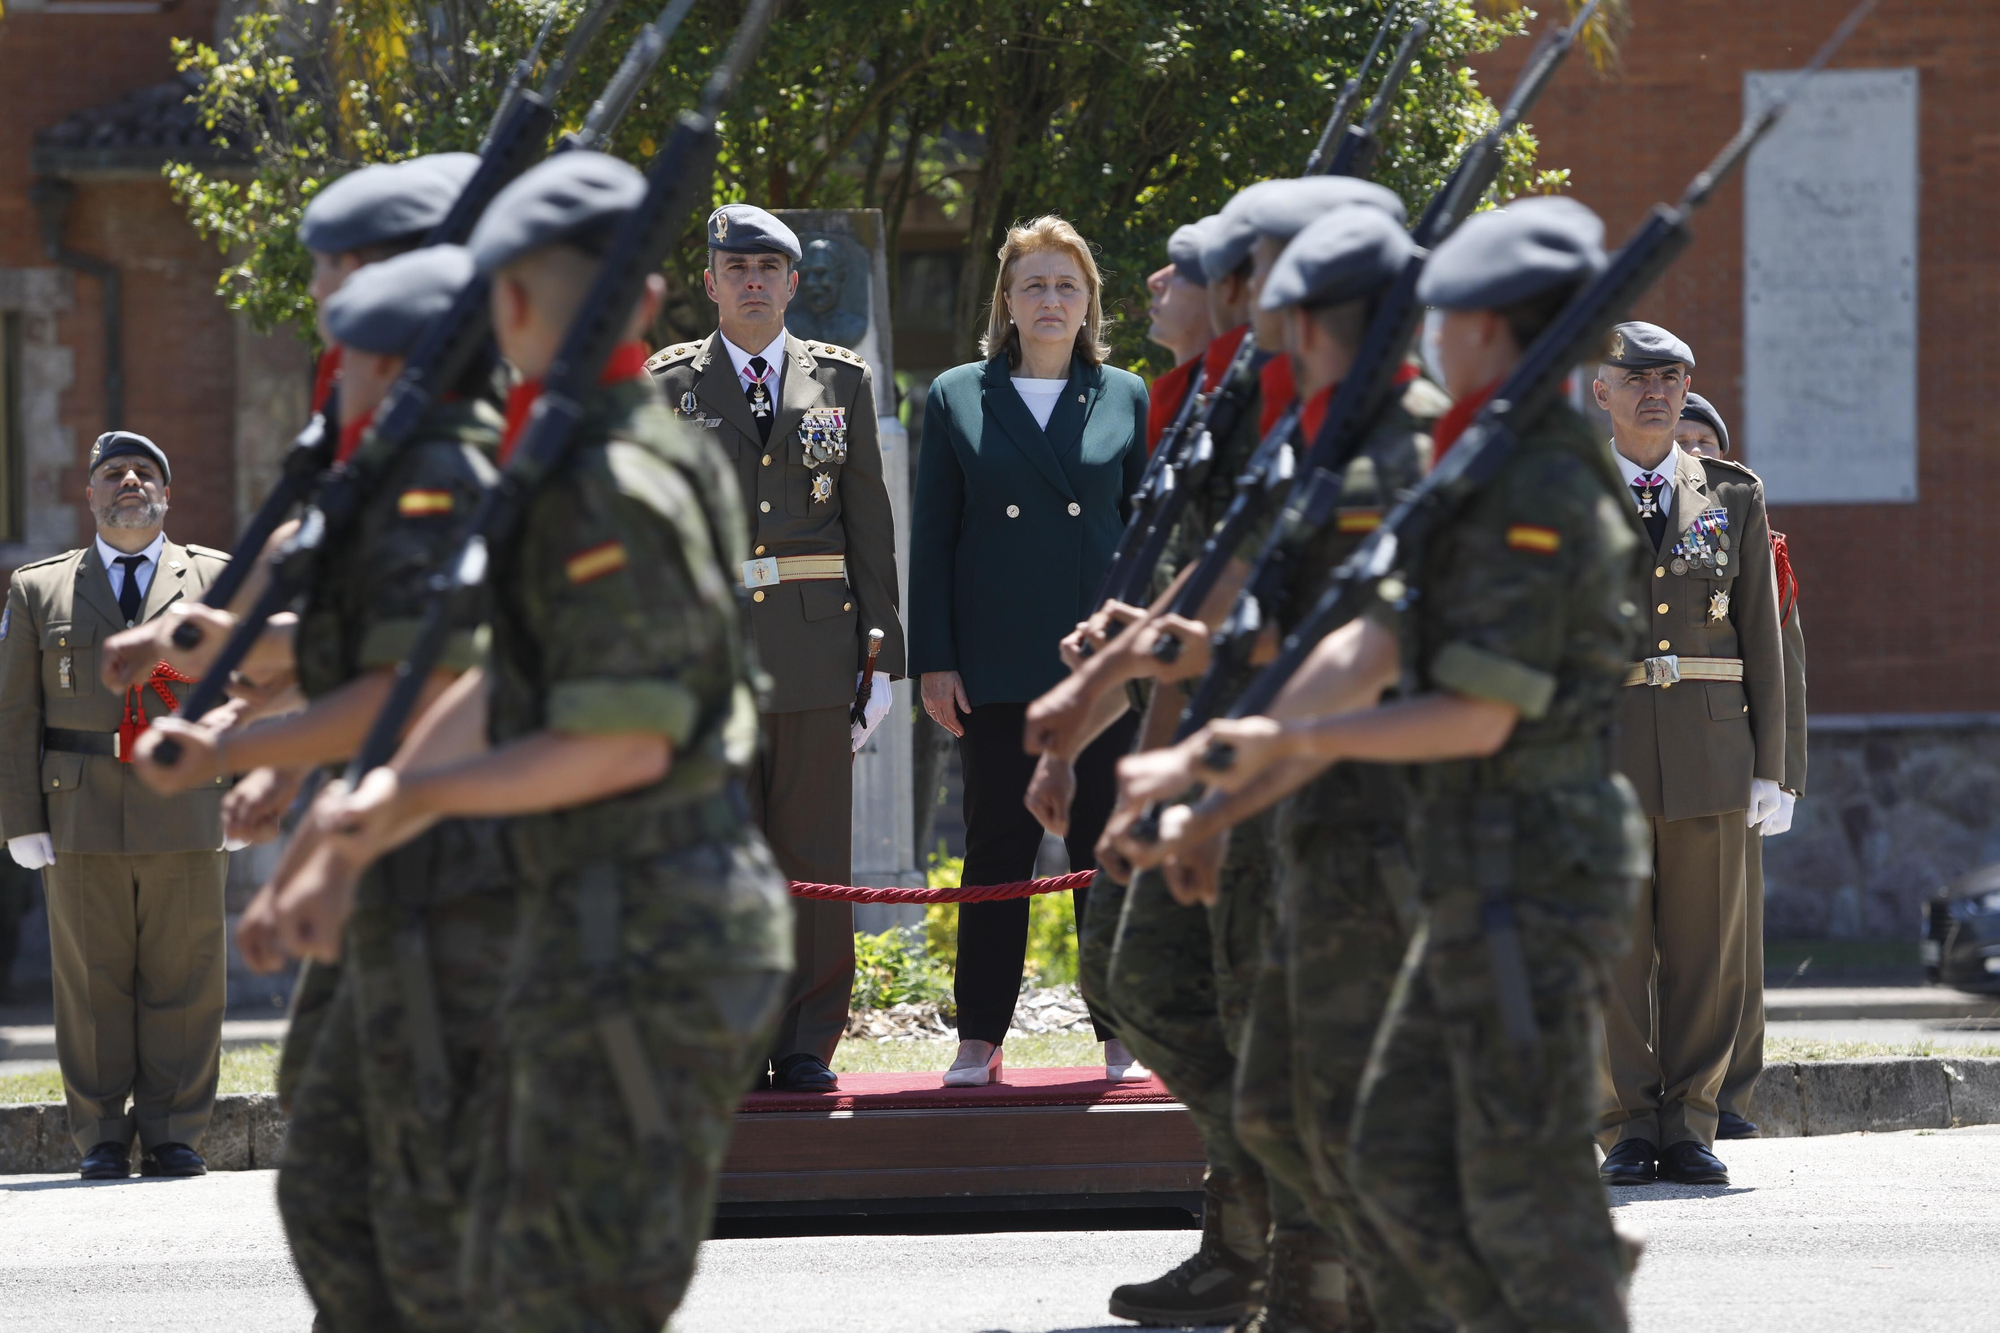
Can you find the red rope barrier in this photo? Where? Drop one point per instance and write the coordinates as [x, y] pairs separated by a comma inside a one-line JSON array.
[[976, 893]]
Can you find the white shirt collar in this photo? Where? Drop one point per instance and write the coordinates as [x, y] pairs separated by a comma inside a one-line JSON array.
[[774, 354], [1669, 468], [108, 554]]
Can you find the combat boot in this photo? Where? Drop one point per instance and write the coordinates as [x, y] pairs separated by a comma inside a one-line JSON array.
[[1308, 1288], [1218, 1283]]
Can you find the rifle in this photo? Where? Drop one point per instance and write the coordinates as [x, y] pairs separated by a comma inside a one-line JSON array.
[[1370, 384], [1350, 97], [677, 177], [1361, 144]]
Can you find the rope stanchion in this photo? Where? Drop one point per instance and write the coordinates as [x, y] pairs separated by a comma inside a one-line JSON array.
[[975, 893]]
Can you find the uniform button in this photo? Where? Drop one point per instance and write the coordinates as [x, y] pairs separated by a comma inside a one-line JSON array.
[[1663, 608], [1013, 511], [1664, 645], [760, 550], [767, 460], [1746, 708], [1659, 571], [55, 782], [757, 596], [1074, 509], [847, 606], [764, 506], [64, 641]]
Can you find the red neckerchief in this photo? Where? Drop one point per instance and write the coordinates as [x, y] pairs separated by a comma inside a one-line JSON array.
[[1788, 579], [1277, 389], [136, 722], [324, 375], [350, 436], [628, 362], [1453, 423], [1164, 398], [1314, 415], [1215, 361]]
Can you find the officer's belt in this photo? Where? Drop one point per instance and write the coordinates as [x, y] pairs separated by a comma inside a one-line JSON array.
[[103, 743], [1669, 670], [770, 570], [539, 850]]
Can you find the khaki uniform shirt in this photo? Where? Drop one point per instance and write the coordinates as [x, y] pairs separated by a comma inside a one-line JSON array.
[[59, 613], [811, 633]]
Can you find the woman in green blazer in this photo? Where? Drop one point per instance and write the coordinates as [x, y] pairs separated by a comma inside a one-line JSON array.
[[1024, 476]]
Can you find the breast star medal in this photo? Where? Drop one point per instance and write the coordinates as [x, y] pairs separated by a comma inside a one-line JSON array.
[[1718, 604], [822, 487]]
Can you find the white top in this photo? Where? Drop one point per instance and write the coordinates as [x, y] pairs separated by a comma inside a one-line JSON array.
[[774, 356], [110, 554], [1040, 396], [1669, 468]]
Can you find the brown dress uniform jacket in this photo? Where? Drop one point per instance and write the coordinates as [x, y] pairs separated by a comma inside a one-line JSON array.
[[1691, 749], [59, 613], [812, 633]]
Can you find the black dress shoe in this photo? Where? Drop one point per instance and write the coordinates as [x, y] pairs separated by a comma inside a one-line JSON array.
[[1691, 1163], [172, 1159], [1729, 1125], [803, 1073], [1630, 1163], [108, 1161]]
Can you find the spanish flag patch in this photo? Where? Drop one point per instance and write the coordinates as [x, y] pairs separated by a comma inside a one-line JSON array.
[[1526, 537], [596, 562], [422, 504], [1357, 520]]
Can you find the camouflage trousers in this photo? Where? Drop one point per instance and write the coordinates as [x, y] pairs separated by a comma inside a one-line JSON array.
[[1472, 1155], [312, 996], [640, 997], [382, 1140]]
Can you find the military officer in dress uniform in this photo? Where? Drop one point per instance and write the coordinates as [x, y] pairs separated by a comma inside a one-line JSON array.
[[798, 420], [134, 880], [1701, 735]]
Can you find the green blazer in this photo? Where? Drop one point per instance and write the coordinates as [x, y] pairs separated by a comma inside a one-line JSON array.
[[1013, 525]]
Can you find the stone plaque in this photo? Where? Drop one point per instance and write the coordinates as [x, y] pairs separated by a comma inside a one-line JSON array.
[[1830, 290]]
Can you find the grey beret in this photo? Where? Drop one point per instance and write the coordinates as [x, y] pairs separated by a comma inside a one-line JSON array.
[[383, 203], [385, 306], [1636, 345], [577, 198], [118, 443], [1184, 249], [1510, 254], [1349, 254], [745, 229], [1280, 210], [1698, 408]]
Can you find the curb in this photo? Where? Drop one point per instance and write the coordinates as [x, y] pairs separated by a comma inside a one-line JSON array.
[[1847, 1003], [1818, 1097], [246, 1134]]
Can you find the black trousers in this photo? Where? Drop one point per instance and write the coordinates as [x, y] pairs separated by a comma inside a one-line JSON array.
[[1001, 839]]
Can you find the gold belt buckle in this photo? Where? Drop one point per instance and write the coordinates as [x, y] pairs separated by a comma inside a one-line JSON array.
[[761, 573], [1663, 671]]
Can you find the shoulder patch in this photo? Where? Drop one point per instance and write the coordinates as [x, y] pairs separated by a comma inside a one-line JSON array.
[[834, 352], [1425, 401], [596, 561], [1529, 537], [425, 503], [666, 356]]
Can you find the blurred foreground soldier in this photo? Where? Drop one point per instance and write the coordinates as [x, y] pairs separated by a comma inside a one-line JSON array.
[[1177, 319], [1701, 735], [1470, 1144], [797, 421], [651, 953], [384, 1126], [1701, 432], [133, 880]]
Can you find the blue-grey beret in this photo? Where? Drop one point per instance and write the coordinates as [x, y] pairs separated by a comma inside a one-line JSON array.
[[1635, 345], [1507, 255], [383, 203], [385, 306], [1281, 209], [745, 229], [117, 443], [1184, 249], [577, 198], [1698, 408], [1349, 254]]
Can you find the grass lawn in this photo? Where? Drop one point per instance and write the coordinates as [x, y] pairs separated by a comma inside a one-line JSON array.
[[1053, 1050], [244, 1069], [1780, 1049]]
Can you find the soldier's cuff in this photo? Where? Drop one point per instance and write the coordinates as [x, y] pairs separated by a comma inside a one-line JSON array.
[[608, 707], [1464, 668], [388, 642]]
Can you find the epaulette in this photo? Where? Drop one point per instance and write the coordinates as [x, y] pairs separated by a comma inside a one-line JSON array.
[[836, 352], [45, 560], [208, 551], [1424, 400], [666, 356], [1732, 463]]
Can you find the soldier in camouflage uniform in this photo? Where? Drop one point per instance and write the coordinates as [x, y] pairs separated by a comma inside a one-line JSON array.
[[379, 1150], [654, 941], [1513, 654]]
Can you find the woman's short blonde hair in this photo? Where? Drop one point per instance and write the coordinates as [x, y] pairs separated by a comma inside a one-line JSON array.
[[1047, 232]]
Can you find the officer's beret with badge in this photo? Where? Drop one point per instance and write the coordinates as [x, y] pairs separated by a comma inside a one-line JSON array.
[[1637, 345], [384, 307], [1508, 255], [1281, 209], [1184, 250], [124, 443], [1698, 408], [577, 199], [1349, 254], [745, 229], [384, 204]]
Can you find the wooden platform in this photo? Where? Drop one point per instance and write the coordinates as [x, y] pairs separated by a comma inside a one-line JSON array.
[[1044, 1138]]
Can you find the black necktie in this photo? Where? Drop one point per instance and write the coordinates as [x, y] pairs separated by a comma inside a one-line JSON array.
[[129, 600], [1651, 489], [758, 390]]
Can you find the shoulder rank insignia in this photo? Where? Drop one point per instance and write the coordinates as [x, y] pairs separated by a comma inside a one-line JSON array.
[[1718, 604], [596, 562], [823, 436], [423, 504], [1528, 537]]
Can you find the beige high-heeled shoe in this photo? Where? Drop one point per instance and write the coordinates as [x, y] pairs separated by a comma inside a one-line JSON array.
[[1121, 1066], [974, 1068]]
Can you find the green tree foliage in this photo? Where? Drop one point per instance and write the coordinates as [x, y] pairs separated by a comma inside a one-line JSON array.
[[1129, 117]]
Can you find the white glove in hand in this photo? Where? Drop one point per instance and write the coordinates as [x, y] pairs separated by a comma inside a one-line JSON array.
[[1781, 820], [32, 851], [1765, 798], [878, 708]]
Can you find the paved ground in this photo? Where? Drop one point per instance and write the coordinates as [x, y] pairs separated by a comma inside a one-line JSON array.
[[1852, 1234]]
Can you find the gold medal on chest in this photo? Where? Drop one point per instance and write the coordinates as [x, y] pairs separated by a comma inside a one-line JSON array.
[[822, 487], [1718, 604]]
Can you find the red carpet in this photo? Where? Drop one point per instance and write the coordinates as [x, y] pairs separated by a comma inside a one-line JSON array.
[[907, 1092]]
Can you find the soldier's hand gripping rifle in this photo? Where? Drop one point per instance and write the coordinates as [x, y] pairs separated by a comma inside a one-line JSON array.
[[678, 177], [1370, 384]]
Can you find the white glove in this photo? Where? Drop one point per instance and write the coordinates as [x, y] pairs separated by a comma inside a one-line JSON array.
[[32, 851], [1781, 821], [878, 708], [1765, 798]]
